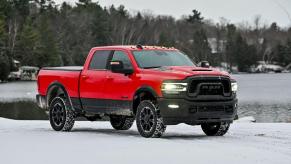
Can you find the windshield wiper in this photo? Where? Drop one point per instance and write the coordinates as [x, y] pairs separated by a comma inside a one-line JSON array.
[[151, 67]]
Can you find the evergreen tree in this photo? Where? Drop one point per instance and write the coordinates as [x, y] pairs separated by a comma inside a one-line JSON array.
[[100, 25], [200, 46], [5, 8], [28, 45], [4, 60], [244, 55], [274, 27], [280, 51], [138, 16], [165, 40], [66, 36], [230, 45], [284, 53], [48, 54], [195, 17], [288, 54]]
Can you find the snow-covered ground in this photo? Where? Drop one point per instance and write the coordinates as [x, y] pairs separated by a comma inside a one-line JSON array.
[[34, 142]]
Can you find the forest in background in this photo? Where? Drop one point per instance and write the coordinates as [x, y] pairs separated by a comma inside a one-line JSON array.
[[41, 33]]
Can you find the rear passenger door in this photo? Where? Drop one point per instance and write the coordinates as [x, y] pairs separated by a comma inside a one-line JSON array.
[[92, 82]]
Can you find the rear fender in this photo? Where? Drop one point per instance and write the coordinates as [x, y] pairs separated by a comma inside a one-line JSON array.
[[52, 88]]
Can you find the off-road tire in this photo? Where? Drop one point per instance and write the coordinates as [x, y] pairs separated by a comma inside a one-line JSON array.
[[157, 128], [215, 129], [67, 120], [121, 122]]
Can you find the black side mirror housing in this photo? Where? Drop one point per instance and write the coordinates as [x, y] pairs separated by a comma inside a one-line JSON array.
[[118, 67], [204, 64]]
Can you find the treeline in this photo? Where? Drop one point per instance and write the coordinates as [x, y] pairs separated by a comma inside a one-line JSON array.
[[41, 33]]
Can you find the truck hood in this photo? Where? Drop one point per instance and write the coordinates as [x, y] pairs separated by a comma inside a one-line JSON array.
[[181, 72]]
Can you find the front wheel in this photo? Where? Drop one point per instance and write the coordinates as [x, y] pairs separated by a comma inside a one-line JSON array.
[[215, 129], [61, 116], [149, 121], [121, 122]]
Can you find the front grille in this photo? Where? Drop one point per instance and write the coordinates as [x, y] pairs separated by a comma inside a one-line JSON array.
[[210, 86], [211, 89]]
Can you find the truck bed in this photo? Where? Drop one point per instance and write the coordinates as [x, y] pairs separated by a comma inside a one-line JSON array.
[[67, 76], [67, 68]]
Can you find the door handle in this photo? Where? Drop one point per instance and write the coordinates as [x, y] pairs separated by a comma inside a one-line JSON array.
[[109, 77], [84, 77]]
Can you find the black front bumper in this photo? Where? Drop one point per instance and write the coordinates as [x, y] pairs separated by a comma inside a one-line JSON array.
[[196, 112]]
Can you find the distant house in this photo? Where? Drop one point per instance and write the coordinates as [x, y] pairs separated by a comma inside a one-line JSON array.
[[28, 73], [264, 67], [23, 72]]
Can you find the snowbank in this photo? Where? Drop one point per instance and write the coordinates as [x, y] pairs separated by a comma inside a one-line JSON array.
[[33, 142], [248, 119]]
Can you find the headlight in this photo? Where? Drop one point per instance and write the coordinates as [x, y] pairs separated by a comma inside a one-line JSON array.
[[174, 88], [234, 86]]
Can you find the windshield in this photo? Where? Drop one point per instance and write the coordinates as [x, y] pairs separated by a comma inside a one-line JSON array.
[[160, 58]]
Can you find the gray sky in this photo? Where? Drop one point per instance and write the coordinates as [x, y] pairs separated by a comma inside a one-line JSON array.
[[236, 11]]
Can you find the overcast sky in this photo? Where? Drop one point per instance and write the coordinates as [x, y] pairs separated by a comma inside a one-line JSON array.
[[234, 10]]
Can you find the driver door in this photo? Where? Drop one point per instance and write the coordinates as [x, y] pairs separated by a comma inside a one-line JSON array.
[[119, 87]]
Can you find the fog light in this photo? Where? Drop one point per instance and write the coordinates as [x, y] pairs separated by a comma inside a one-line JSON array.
[[173, 106]]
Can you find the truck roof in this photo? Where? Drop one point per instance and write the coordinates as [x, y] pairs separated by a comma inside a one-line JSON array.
[[136, 47]]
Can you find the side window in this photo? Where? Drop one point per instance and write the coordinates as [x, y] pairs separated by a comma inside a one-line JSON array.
[[122, 56], [99, 60]]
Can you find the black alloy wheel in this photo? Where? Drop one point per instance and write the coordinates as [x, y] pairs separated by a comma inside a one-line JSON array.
[[62, 117], [58, 114], [147, 119], [149, 122]]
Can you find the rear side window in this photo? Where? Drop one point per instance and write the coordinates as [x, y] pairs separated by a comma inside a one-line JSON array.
[[99, 60]]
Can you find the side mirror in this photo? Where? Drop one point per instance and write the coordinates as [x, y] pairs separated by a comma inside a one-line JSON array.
[[204, 64], [117, 67]]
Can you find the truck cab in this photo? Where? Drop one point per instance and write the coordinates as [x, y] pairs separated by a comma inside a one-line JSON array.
[[156, 86]]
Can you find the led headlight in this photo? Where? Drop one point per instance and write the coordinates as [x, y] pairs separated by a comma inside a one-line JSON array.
[[174, 88], [234, 86]]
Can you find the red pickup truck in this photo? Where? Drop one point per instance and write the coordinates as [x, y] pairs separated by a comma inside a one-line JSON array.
[[156, 86]]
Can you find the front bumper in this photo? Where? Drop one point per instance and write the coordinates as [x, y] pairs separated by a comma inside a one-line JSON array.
[[196, 112]]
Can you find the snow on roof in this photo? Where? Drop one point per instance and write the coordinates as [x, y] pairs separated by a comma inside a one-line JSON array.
[[16, 61], [29, 67]]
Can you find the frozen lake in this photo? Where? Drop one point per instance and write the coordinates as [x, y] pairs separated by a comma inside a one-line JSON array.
[[16, 91], [264, 88], [267, 97]]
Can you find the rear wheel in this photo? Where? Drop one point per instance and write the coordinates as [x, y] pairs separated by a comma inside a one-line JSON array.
[[149, 121], [121, 122], [215, 129], [62, 117]]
